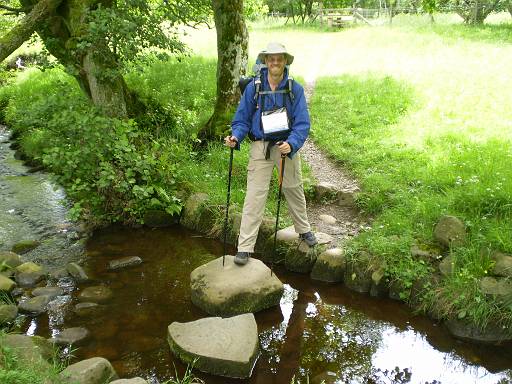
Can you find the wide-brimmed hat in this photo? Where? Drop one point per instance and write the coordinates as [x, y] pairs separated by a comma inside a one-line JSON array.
[[274, 49]]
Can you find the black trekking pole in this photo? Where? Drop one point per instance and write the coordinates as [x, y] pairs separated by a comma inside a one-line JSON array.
[[227, 204], [281, 175]]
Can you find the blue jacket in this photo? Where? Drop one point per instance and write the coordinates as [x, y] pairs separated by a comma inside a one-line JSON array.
[[248, 118]]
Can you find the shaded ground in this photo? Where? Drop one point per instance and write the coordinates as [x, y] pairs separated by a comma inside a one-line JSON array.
[[348, 220]]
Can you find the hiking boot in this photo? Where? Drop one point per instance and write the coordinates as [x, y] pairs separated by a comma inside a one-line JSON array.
[[309, 238], [242, 258]]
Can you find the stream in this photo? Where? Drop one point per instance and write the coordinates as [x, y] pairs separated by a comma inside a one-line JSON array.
[[318, 332]]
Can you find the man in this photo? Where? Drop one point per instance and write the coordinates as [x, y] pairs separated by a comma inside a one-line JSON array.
[[277, 123]]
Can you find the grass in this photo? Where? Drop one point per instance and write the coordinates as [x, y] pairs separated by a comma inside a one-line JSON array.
[[420, 114]]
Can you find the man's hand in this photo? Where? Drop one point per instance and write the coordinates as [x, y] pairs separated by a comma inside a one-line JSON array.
[[230, 141], [284, 147]]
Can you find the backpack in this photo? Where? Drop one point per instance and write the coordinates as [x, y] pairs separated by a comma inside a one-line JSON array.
[[245, 80]]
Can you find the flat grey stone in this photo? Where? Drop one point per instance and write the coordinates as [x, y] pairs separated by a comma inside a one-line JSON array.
[[134, 380], [225, 347], [124, 262], [232, 289], [96, 370], [77, 272], [499, 287], [51, 292], [34, 306], [8, 313], [329, 266], [71, 336], [96, 294], [328, 219]]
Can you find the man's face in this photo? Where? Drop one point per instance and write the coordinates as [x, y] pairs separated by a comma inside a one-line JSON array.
[[275, 64]]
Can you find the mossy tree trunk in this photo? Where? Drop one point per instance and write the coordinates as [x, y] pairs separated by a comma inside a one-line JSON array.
[[232, 45], [63, 26], [21, 32]]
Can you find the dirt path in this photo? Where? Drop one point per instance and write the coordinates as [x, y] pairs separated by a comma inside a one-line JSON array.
[[348, 221]]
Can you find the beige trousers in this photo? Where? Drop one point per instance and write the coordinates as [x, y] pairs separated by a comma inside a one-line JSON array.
[[259, 173]]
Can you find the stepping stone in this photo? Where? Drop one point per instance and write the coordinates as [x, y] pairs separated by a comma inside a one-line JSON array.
[[328, 219], [96, 294], [96, 370], [34, 306], [124, 262], [135, 380], [299, 256], [329, 266], [51, 292], [232, 289], [71, 336], [225, 347]]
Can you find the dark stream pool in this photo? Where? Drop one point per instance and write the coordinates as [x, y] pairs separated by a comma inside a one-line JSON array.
[[319, 331]]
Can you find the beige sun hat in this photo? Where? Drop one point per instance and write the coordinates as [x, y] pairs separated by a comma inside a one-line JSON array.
[[273, 49]]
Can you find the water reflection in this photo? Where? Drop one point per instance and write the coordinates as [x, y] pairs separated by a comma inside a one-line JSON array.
[[319, 332]]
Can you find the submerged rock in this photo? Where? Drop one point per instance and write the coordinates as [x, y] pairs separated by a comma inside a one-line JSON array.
[[88, 309], [25, 246], [77, 272], [124, 262], [96, 294], [96, 370], [71, 336], [232, 289], [226, 347], [491, 334]]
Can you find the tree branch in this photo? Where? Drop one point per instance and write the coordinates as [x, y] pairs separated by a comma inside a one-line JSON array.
[[24, 29], [13, 11]]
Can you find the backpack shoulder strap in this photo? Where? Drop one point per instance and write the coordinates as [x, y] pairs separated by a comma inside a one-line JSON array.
[[290, 89]]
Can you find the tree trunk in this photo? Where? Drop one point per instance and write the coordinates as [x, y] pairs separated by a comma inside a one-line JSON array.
[[232, 45], [62, 25], [509, 7], [22, 31]]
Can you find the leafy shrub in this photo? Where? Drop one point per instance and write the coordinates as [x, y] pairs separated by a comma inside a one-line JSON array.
[[110, 169]]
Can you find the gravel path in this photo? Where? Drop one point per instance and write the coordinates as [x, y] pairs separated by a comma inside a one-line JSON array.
[[348, 220]]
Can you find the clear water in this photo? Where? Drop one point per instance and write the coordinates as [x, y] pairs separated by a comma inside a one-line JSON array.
[[319, 331]]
